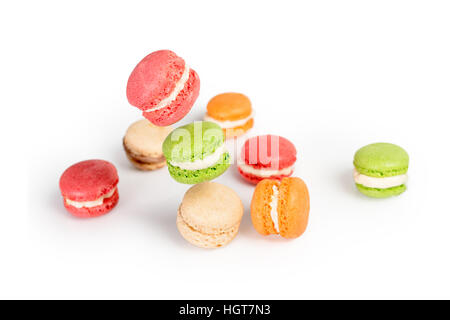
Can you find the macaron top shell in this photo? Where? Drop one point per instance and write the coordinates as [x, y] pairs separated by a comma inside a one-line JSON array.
[[260, 206], [381, 160], [193, 141], [154, 78], [211, 207], [229, 106], [293, 209], [265, 151], [88, 180], [145, 138]]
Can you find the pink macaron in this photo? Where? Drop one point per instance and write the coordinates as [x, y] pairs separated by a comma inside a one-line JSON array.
[[164, 87], [267, 157], [89, 188]]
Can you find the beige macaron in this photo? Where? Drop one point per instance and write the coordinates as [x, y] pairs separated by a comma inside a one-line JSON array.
[[143, 145], [209, 215]]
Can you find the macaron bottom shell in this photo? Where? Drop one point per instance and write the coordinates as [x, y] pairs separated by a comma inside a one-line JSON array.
[[381, 193], [107, 205], [145, 166], [255, 179], [238, 131], [198, 176], [205, 240], [180, 106]]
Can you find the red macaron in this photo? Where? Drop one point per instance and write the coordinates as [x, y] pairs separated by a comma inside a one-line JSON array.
[[164, 87], [89, 188], [267, 157]]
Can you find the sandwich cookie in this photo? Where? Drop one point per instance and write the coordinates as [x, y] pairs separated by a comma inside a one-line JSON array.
[[164, 87], [209, 215], [280, 207], [267, 157], [89, 188], [381, 170], [196, 152], [143, 145], [232, 112]]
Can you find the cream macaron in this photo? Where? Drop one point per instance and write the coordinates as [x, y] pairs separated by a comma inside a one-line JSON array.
[[143, 145], [209, 215]]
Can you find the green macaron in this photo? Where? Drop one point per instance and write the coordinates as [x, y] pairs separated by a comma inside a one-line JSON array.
[[381, 170], [196, 152]]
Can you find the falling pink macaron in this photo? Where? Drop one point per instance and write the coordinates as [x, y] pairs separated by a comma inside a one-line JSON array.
[[267, 157], [89, 188], [164, 87]]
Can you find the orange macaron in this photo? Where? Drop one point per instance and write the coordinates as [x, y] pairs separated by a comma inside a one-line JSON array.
[[280, 207], [232, 112]]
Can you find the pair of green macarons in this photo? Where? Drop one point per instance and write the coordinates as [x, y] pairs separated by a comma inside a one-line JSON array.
[[196, 152]]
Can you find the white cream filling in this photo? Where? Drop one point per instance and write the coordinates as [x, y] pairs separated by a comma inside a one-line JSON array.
[[379, 183], [229, 124], [90, 204], [200, 164], [274, 208], [176, 91], [265, 173]]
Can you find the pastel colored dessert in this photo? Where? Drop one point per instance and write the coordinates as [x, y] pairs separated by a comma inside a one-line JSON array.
[[232, 112], [164, 87], [209, 215], [280, 207], [196, 152], [89, 188], [143, 145], [267, 157], [381, 170]]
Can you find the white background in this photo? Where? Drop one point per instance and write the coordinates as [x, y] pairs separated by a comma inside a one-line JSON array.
[[331, 76]]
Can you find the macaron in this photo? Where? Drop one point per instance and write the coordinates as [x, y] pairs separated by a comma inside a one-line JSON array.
[[89, 188], [209, 215], [196, 152], [381, 170], [143, 145], [280, 207], [164, 87], [267, 157], [232, 112]]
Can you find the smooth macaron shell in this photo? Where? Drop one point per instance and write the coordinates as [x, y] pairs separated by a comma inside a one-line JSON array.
[[292, 208], [267, 152], [209, 215], [381, 160], [87, 181], [154, 79], [143, 144]]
